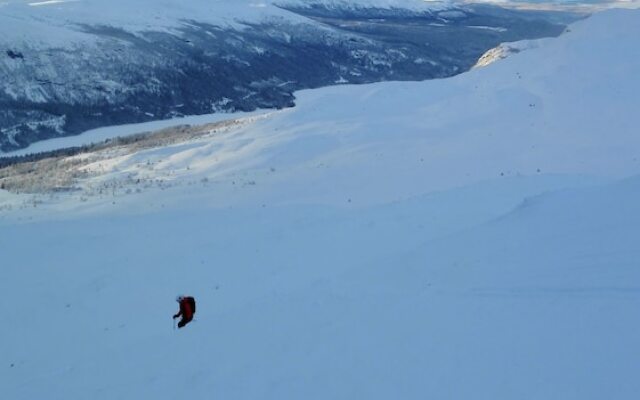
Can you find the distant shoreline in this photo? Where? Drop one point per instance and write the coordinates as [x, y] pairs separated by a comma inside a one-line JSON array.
[[98, 135]]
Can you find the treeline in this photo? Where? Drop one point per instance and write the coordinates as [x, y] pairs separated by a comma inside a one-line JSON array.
[[72, 151], [33, 157]]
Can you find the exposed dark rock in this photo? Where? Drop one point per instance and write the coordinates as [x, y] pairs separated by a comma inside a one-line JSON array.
[[14, 54]]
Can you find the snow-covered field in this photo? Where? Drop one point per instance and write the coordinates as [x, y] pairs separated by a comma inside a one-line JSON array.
[[473, 237]]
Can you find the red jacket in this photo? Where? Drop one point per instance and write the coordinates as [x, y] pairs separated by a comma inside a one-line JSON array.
[[186, 308]]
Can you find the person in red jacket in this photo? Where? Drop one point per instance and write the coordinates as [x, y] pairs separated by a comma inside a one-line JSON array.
[[187, 309]]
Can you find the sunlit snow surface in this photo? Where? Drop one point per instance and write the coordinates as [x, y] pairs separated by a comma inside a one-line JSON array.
[[157, 14], [473, 237]]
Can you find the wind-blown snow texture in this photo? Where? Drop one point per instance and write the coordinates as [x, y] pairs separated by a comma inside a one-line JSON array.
[[379, 254]]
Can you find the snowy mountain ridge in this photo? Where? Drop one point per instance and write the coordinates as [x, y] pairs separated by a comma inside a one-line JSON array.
[[491, 104], [141, 15], [470, 237], [143, 61]]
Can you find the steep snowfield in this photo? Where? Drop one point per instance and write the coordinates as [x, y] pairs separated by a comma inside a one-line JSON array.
[[473, 237], [141, 15]]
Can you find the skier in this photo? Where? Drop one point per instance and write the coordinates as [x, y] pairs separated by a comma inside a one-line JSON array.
[[187, 309]]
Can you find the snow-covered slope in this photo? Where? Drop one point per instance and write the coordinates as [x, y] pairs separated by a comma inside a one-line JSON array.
[[317, 303], [139, 15], [69, 66], [542, 111], [152, 14], [473, 237]]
